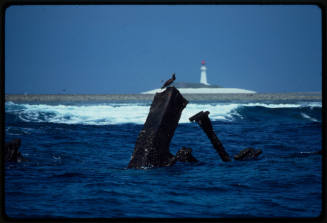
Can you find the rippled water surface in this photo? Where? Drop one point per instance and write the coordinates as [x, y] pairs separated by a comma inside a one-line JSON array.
[[78, 154]]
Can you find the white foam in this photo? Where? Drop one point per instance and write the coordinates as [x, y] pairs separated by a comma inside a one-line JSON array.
[[217, 111], [272, 105], [86, 114], [10, 103], [114, 113], [308, 117], [312, 104], [286, 105]]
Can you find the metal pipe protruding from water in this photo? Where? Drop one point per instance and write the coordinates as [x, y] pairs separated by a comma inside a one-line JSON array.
[[203, 120]]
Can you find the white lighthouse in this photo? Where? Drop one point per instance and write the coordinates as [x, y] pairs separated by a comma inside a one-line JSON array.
[[203, 79], [201, 88]]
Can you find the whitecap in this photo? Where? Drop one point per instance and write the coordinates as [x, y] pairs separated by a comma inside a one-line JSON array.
[[308, 117], [123, 113]]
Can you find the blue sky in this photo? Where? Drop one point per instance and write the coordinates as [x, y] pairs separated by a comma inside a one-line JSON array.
[[128, 49]]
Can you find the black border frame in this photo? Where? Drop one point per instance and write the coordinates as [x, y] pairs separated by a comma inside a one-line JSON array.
[[4, 4]]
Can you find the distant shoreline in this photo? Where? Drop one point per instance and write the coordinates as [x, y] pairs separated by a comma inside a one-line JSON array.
[[305, 96]]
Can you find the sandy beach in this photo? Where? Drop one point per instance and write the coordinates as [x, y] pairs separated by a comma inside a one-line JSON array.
[[305, 96]]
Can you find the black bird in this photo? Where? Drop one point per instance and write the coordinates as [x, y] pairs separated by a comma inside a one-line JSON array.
[[168, 82]]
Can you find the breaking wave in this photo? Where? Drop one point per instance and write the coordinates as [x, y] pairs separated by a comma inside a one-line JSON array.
[[308, 117], [123, 113]]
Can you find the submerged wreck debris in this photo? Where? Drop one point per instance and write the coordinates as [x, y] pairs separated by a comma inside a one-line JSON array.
[[11, 151], [152, 145], [185, 155], [203, 120], [248, 154]]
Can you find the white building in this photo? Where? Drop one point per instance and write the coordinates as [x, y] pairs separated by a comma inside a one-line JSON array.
[[201, 88], [203, 79]]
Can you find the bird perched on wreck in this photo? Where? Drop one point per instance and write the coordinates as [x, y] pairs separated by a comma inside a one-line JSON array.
[[168, 82]]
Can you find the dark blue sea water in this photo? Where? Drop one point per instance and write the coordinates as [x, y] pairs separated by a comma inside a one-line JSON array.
[[78, 154]]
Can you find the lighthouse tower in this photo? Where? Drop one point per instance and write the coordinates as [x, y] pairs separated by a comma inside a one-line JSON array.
[[203, 79]]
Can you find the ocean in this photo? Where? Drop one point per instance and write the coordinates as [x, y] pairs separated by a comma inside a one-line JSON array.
[[78, 153]]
